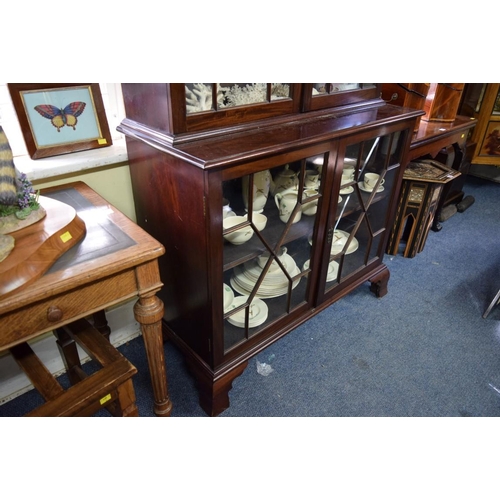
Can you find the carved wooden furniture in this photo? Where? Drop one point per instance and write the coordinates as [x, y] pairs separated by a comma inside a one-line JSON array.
[[224, 304], [423, 183], [445, 142], [115, 261]]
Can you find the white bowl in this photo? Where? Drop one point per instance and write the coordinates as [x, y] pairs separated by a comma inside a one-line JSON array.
[[260, 220], [241, 235]]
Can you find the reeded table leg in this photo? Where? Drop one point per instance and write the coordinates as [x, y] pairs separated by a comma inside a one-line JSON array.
[[148, 311]]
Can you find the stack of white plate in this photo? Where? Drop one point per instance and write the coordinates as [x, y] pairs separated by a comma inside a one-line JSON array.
[[274, 284]]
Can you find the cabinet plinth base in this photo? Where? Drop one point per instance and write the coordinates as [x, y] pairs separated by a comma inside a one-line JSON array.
[[379, 282], [214, 394]]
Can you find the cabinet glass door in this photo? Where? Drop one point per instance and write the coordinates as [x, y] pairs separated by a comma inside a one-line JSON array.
[[354, 240], [269, 217]]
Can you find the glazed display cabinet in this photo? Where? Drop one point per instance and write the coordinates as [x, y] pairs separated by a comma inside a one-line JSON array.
[[263, 226]]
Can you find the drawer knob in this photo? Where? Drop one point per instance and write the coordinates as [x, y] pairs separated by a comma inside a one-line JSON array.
[[54, 314]]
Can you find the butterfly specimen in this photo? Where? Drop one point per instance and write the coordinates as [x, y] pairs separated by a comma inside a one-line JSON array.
[[60, 117]]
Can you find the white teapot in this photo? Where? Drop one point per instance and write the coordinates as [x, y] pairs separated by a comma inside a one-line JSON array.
[[285, 179]]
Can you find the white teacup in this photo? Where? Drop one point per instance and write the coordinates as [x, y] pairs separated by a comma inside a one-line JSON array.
[[312, 179], [264, 257], [260, 220], [286, 201], [347, 175], [346, 180], [348, 171], [370, 181]]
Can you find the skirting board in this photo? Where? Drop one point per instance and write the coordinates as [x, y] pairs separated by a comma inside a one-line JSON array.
[[13, 382]]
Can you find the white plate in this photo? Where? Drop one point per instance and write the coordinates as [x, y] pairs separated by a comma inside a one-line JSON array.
[[228, 297], [347, 190], [337, 248], [243, 284], [258, 312], [248, 279], [364, 188]]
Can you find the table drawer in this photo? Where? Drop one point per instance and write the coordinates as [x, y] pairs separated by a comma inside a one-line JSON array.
[[49, 314]]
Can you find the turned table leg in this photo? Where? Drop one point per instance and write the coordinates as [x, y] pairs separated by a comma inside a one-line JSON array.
[[101, 323], [148, 311]]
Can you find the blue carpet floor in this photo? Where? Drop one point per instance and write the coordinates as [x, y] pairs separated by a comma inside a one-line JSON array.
[[423, 350]]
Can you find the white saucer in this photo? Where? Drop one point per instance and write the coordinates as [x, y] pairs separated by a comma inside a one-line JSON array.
[[364, 188], [333, 269], [347, 190], [228, 297], [337, 248], [257, 316]]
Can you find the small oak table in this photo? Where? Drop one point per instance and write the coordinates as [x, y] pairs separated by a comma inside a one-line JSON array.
[[114, 262]]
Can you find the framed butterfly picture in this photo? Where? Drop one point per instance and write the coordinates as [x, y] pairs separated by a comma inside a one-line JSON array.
[[60, 118]]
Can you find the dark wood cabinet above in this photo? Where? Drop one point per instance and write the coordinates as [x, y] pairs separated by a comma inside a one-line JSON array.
[[184, 111]]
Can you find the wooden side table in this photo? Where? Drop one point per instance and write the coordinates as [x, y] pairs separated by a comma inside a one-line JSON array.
[[423, 183], [115, 262]]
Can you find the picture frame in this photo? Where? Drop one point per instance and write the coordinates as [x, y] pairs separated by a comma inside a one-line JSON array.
[[60, 118]]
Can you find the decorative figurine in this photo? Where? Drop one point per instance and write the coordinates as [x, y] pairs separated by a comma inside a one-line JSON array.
[[19, 206]]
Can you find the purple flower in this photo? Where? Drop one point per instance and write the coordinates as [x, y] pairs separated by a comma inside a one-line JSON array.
[[25, 193]]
